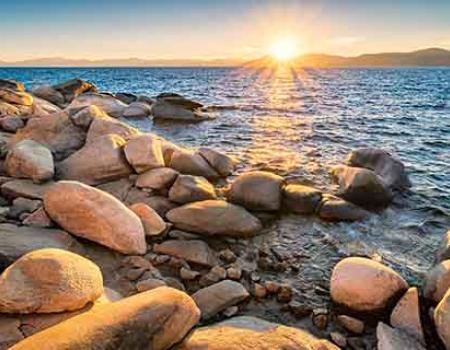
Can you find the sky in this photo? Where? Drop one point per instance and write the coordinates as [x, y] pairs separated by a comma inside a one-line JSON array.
[[96, 29]]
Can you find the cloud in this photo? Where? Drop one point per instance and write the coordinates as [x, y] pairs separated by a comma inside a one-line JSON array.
[[347, 40]]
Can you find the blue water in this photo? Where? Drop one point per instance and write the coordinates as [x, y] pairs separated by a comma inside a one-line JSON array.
[[300, 123]]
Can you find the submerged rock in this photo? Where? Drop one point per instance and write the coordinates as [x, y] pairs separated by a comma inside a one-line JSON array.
[[215, 218], [95, 215], [49, 280], [301, 199], [337, 209], [155, 320], [194, 251], [144, 153], [188, 188]]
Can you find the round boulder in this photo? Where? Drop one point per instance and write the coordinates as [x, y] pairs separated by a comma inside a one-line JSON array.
[[189, 188]]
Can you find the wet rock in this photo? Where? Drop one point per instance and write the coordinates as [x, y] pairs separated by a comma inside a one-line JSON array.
[[164, 315], [394, 339], [362, 187], [157, 179], [73, 88], [301, 199], [126, 97], [365, 285], [137, 110], [11, 85], [213, 299], [16, 97], [246, 332], [170, 109], [406, 314], [29, 159], [49, 94], [38, 218], [442, 319], [191, 163], [194, 251], [153, 224], [107, 125], [390, 169], [11, 124], [259, 291], [149, 284], [188, 188], [351, 324], [223, 164], [257, 190], [215, 218], [22, 205], [95, 215], [49, 280], [337, 209], [437, 281], [24, 188], [99, 161], [144, 152]]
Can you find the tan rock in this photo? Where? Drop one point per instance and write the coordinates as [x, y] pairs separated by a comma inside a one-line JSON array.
[[337, 209], [83, 117], [8, 109], [257, 190], [189, 188], [137, 109], [29, 159], [24, 188], [107, 125], [48, 93], [442, 319], [16, 97], [144, 152], [215, 218], [365, 285], [49, 280], [194, 251], [158, 203], [42, 108], [108, 103], [301, 199], [38, 218], [191, 163], [73, 88], [351, 324], [10, 332], [223, 164], [157, 179], [437, 281], [155, 320], [394, 339], [99, 161], [153, 224], [95, 215]]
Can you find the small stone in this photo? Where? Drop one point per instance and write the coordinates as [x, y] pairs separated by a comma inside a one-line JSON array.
[[320, 318], [136, 261], [339, 339], [174, 283], [234, 273], [227, 255], [299, 310], [188, 275], [259, 291], [38, 218], [284, 293], [149, 284], [351, 324], [272, 287], [214, 275]]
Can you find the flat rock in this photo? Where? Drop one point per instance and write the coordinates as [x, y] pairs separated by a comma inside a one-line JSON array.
[[223, 164], [49, 280], [194, 251], [153, 224], [112, 106], [219, 296], [155, 320], [164, 109], [257, 190], [144, 152], [394, 339], [215, 218], [29, 159], [157, 179], [24, 188], [95, 215], [365, 285], [301, 199], [337, 209], [189, 188], [437, 281], [191, 163]]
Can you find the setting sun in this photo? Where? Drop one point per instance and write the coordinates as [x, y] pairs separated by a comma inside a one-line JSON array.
[[284, 49]]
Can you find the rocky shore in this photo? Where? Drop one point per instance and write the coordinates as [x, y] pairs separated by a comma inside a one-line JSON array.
[[111, 238]]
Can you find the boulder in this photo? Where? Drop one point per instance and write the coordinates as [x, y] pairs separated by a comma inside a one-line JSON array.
[[193, 251], [158, 203], [29, 159], [394, 339], [215, 218], [24, 188], [442, 319], [153, 224], [112, 106], [50, 94], [364, 285], [11, 85], [84, 116], [219, 296], [301, 199], [107, 125], [72, 88], [189, 188], [257, 190], [390, 169], [95, 215], [42, 108], [223, 164], [126, 97], [155, 319], [137, 110], [437, 281], [179, 100], [247, 332], [11, 124], [362, 187], [56, 132], [157, 179], [16, 241], [99, 161], [337, 209], [16, 97], [38, 218], [49, 280], [167, 110], [191, 163], [144, 152], [168, 149], [118, 188]]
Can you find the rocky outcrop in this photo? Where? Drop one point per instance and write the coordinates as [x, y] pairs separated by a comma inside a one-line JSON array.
[[223, 164], [188, 188], [301, 199], [191, 163], [365, 285], [257, 190], [73, 88], [95, 215], [215, 218], [437, 281], [144, 153], [157, 179], [153, 224], [193, 251], [175, 107], [112, 106], [337, 209], [49, 280], [29, 159], [155, 320], [107, 125]]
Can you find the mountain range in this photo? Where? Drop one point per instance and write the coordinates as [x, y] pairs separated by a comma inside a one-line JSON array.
[[426, 57]]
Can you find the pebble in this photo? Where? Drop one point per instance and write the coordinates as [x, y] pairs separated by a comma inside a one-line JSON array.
[[320, 318], [339, 339], [272, 287], [234, 273], [284, 293], [259, 291], [216, 274], [351, 324], [134, 273], [227, 256]]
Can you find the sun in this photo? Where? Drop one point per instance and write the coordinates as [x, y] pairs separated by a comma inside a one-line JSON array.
[[284, 49]]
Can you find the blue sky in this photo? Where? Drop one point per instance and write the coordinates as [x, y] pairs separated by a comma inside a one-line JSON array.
[[209, 29]]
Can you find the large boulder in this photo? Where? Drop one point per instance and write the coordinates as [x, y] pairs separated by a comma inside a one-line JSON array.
[[107, 125], [223, 164], [215, 218], [191, 163], [42, 108], [49, 94], [364, 285], [156, 319], [157, 179], [246, 332], [390, 169], [95, 215], [137, 110], [193, 251], [11, 85], [99, 161], [189, 188], [442, 319], [437, 281], [83, 117], [362, 187], [301, 199], [72, 88], [257, 190], [49, 280], [144, 153], [16, 97], [337, 209], [153, 224], [108, 103], [29, 159]]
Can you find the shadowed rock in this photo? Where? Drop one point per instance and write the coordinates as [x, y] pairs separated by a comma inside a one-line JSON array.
[[337, 209], [191, 163], [112, 106], [301, 199], [194, 251], [188, 188], [72, 88]]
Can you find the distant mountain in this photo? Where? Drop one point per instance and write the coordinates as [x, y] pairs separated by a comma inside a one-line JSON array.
[[426, 57]]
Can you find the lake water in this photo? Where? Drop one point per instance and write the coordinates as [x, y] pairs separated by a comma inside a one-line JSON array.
[[300, 123]]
